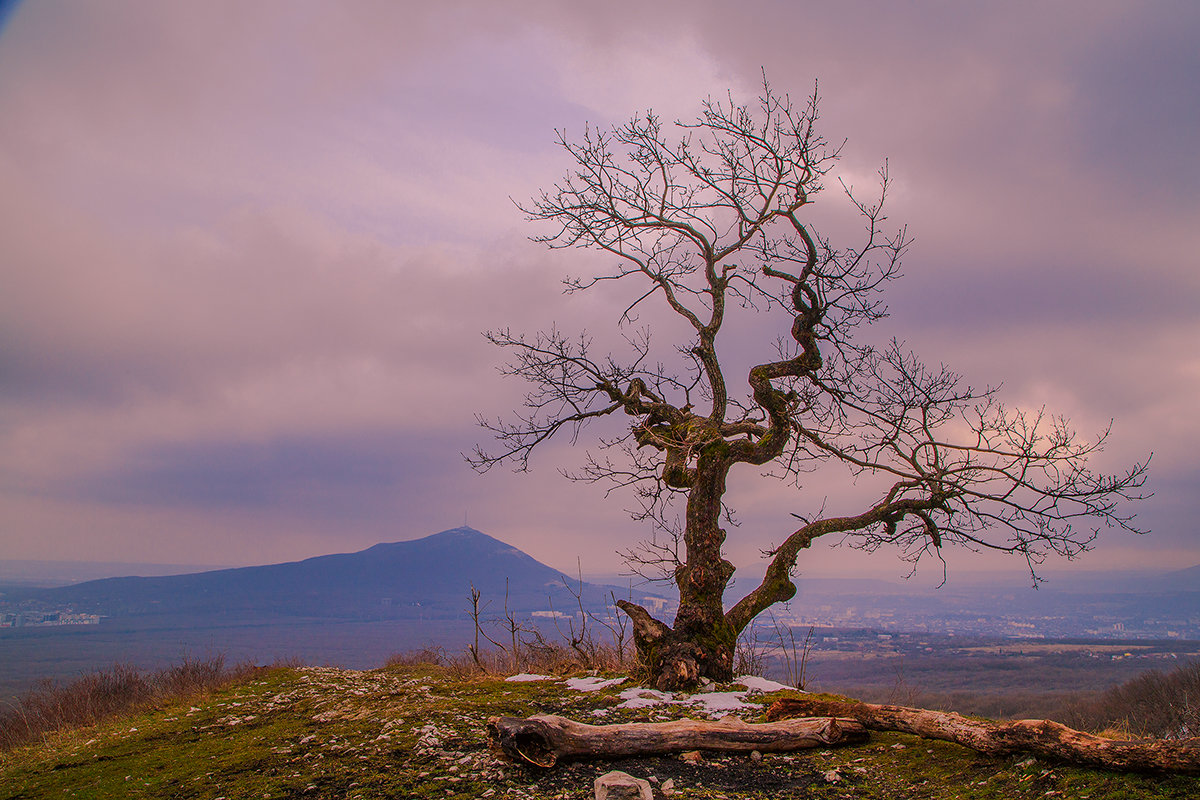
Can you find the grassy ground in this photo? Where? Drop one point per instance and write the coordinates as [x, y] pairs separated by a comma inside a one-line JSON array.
[[418, 732]]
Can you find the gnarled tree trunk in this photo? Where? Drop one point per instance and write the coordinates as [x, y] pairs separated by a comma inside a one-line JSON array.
[[701, 643], [1039, 736]]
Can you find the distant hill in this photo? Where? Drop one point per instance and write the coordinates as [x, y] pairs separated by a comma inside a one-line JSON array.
[[37, 574], [1183, 580], [425, 578]]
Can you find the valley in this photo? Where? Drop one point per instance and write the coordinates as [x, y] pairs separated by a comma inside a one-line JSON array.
[[1001, 644]]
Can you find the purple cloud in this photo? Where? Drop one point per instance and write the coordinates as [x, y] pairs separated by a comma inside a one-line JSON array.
[[249, 251]]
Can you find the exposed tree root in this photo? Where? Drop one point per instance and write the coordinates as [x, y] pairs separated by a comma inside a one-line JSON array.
[[1039, 736]]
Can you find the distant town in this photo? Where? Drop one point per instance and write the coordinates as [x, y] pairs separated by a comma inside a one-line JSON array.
[[45, 619], [1054, 623]]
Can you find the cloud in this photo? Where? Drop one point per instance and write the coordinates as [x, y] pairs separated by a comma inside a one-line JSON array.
[[331, 477], [249, 250], [1136, 108]]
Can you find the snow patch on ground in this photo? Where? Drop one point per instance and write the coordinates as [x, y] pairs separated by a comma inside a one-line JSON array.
[[592, 684], [719, 702], [710, 703], [639, 697], [757, 684]]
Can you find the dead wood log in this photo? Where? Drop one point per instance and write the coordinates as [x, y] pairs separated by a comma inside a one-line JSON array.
[[545, 739], [1038, 736]]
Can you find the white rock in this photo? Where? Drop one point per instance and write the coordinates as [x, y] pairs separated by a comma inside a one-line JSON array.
[[617, 785]]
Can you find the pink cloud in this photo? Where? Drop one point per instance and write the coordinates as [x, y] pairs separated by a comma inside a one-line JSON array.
[[230, 228]]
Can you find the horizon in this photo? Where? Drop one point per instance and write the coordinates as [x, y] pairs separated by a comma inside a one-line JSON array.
[[249, 265], [26, 570]]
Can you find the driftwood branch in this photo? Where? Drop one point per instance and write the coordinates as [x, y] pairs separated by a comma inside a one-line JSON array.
[[543, 740], [1039, 736]]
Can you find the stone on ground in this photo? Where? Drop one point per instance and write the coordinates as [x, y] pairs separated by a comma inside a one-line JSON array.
[[617, 785]]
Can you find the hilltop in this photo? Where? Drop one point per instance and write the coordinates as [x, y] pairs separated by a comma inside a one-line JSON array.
[[418, 731]]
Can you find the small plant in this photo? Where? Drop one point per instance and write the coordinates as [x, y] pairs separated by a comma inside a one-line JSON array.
[[582, 641], [755, 649], [476, 612], [433, 656], [793, 655], [528, 650], [749, 657]]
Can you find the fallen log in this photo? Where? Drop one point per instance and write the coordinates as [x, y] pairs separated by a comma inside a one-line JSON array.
[[1038, 736], [543, 740]]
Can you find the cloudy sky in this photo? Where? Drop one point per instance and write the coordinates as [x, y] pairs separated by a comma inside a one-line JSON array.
[[249, 250]]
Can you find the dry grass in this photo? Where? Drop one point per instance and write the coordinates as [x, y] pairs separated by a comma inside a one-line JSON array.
[[536, 654], [541, 657], [97, 696]]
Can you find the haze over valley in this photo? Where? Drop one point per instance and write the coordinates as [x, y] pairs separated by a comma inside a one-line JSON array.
[[357, 609]]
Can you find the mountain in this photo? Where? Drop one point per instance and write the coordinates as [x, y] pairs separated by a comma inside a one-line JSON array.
[[423, 578]]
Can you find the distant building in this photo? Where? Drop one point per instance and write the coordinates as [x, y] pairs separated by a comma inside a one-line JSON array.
[[657, 604]]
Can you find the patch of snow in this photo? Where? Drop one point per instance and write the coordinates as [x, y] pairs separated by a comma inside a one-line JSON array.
[[710, 703], [757, 684], [716, 702], [591, 684], [638, 697], [525, 676]]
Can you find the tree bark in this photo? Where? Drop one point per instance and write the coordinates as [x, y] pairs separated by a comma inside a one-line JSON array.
[[1039, 736], [543, 740]]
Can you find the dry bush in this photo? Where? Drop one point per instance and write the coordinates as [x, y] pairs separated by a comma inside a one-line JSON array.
[[536, 655], [97, 696], [586, 640], [1158, 704], [750, 654], [431, 656], [773, 648]]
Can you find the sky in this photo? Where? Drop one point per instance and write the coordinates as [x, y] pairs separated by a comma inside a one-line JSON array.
[[249, 251]]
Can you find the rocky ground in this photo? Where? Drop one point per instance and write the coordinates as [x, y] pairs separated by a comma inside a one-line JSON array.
[[419, 732]]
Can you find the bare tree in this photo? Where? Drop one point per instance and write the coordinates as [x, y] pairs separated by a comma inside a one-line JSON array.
[[717, 218], [476, 614]]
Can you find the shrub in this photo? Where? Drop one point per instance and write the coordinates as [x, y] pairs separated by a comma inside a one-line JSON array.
[[1158, 704], [97, 696]]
